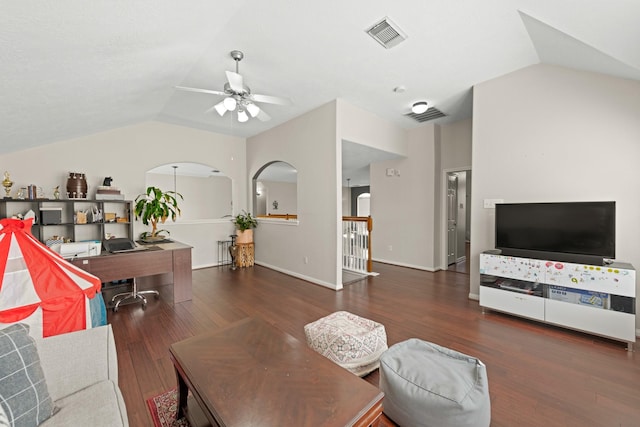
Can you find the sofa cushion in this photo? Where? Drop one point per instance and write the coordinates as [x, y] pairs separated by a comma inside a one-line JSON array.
[[99, 405], [23, 391]]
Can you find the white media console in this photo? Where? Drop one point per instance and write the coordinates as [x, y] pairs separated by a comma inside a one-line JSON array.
[[589, 298]]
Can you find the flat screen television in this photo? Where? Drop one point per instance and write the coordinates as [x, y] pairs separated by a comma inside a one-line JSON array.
[[580, 232]]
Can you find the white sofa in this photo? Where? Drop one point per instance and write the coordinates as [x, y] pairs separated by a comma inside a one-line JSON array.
[[81, 372]]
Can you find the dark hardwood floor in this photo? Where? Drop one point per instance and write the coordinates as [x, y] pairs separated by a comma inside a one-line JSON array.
[[538, 375], [462, 266]]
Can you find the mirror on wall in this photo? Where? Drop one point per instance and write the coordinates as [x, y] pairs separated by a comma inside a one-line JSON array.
[[206, 190], [275, 189]]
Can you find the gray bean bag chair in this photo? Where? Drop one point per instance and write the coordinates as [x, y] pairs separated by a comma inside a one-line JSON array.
[[429, 385]]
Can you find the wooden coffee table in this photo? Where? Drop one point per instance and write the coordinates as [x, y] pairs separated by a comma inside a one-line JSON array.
[[252, 374]]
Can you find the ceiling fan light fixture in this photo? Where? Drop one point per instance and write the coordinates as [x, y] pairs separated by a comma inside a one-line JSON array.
[[230, 103], [253, 109], [220, 108], [420, 107], [238, 97]]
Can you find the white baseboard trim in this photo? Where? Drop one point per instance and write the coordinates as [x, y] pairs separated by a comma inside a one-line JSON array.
[[401, 264], [366, 273], [301, 276], [198, 267]]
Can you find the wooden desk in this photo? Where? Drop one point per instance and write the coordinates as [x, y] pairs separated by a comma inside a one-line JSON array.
[[162, 258], [251, 373]]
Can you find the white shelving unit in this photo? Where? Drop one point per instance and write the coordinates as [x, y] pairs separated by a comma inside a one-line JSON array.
[[589, 298]]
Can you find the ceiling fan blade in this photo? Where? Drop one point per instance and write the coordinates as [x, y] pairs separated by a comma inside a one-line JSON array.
[[270, 99], [235, 81], [193, 89], [262, 116]]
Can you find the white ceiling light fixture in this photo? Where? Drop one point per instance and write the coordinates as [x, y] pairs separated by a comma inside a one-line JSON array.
[[420, 107], [238, 96], [253, 109], [230, 103], [220, 108]]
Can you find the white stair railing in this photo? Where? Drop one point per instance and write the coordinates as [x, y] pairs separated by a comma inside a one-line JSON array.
[[356, 243]]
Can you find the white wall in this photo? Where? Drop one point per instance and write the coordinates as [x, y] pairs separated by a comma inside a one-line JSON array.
[[421, 190], [403, 207], [308, 143], [202, 197], [362, 127], [456, 144], [456, 156], [547, 133], [357, 125], [346, 201], [126, 154], [285, 193]]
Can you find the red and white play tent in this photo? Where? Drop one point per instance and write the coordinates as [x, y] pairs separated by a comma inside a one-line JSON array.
[[39, 287]]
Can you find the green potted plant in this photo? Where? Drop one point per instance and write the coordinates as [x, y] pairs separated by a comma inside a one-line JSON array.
[[244, 223], [153, 207]]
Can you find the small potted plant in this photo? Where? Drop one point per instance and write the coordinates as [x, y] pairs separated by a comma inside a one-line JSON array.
[[244, 223], [153, 207]]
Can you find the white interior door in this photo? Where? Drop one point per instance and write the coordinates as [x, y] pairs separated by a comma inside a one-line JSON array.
[[364, 203], [452, 217]]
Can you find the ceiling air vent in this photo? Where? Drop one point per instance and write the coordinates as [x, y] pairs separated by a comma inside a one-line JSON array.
[[431, 114], [387, 33]]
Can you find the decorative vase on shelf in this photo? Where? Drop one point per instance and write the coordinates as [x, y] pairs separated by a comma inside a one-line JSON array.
[[76, 186]]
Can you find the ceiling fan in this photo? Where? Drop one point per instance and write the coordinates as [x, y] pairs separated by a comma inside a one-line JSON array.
[[239, 97]]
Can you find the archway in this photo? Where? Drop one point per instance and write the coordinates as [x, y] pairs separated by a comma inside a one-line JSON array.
[[275, 190]]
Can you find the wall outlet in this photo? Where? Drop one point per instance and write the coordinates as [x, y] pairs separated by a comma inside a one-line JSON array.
[[491, 203], [306, 260], [390, 248]]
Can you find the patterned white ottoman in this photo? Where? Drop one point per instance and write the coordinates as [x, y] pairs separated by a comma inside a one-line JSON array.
[[353, 342]]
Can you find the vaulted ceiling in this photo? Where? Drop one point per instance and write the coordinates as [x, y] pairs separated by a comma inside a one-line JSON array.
[[73, 67]]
